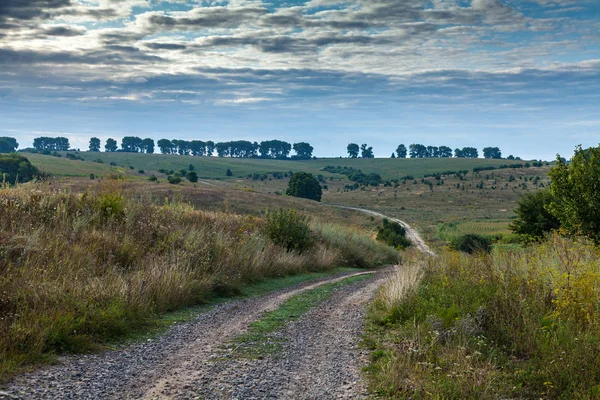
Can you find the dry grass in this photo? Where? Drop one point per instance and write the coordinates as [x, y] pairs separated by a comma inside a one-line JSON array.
[[513, 324], [77, 269]]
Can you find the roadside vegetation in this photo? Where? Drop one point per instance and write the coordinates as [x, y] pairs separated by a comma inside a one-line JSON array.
[[78, 269], [497, 322]]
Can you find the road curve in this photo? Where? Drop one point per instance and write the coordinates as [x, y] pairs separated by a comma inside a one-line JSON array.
[[411, 233]]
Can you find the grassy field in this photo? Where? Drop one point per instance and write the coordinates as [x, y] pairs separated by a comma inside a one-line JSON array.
[[82, 267], [215, 167], [514, 324]]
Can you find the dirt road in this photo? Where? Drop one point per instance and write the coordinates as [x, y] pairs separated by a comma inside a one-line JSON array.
[[320, 357]]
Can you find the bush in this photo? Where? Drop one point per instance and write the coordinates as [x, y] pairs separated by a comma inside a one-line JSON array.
[[471, 243], [289, 229], [16, 169], [304, 185], [228, 173], [534, 221], [141, 171], [152, 178], [393, 234], [174, 179], [191, 176]]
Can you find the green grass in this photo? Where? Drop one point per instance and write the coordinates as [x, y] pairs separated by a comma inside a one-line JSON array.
[[215, 167], [522, 323], [259, 341]]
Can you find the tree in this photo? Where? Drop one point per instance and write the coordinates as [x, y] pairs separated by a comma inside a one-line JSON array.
[[533, 218], [303, 151], [51, 144], [210, 148], [492, 152], [304, 185], [147, 146], [228, 173], [8, 144], [401, 151], [393, 155], [191, 176], [165, 146], [131, 144], [444, 152], [95, 144], [353, 150], [274, 149], [366, 152], [575, 190], [110, 146], [466, 152], [418, 151]]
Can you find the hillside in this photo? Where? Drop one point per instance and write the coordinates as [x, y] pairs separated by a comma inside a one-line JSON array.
[[215, 167]]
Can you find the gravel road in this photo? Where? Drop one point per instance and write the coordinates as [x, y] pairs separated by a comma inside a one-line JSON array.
[[320, 358]]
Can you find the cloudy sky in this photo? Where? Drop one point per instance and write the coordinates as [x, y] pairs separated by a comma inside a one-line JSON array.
[[521, 75]]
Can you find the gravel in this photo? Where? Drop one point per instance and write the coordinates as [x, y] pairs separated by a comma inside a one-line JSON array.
[[320, 358]]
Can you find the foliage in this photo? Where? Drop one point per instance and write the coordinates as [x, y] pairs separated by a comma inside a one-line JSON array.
[[289, 229], [471, 243], [16, 169], [492, 152], [228, 172], [534, 221], [466, 152], [421, 151], [95, 144], [513, 324], [393, 234], [304, 185], [8, 144], [401, 151], [51, 144], [191, 176], [353, 150], [355, 175], [366, 151], [576, 193], [110, 146], [303, 151]]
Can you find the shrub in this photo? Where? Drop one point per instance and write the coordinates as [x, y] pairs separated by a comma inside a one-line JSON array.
[[534, 221], [92, 176], [304, 185], [152, 178], [471, 243], [289, 229], [174, 179], [141, 171], [111, 205], [228, 173], [393, 234], [191, 176], [16, 169]]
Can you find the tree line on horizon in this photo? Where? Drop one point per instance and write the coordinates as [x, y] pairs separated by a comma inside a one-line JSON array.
[[273, 149]]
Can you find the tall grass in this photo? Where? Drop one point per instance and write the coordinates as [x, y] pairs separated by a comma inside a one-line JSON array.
[[79, 269], [511, 324]]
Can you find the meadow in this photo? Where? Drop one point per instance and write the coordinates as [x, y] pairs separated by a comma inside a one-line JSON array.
[[216, 167], [521, 323], [79, 268]]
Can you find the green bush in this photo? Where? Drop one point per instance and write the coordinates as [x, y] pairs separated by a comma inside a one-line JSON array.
[[191, 176], [16, 169], [471, 243], [534, 221], [112, 205], [304, 185], [393, 234], [289, 229], [175, 178], [152, 178]]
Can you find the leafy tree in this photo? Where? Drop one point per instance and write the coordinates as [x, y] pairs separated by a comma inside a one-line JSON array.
[[303, 151], [466, 152], [418, 151], [147, 146], [16, 168], [444, 152], [492, 152], [198, 148], [304, 185], [51, 144], [533, 218], [95, 144], [8, 144], [181, 147], [110, 146], [575, 189], [393, 155], [401, 151], [210, 148], [228, 173], [191, 167], [275, 149], [366, 152], [353, 150], [191, 176], [165, 146], [131, 144]]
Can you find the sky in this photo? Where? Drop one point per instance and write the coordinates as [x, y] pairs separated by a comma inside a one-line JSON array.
[[520, 75]]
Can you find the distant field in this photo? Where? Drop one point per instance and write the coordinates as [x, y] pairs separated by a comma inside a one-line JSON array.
[[215, 167]]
